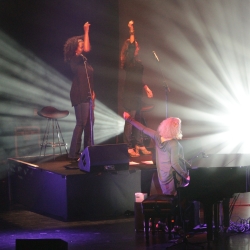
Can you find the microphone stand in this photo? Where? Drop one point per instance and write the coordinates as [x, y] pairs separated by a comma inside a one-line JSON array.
[[91, 115], [167, 89]]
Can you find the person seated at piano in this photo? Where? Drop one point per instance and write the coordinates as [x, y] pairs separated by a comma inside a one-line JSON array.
[[169, 152]]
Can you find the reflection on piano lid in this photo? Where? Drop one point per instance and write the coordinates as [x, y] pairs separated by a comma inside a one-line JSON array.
[[219, 176], [221, 160]]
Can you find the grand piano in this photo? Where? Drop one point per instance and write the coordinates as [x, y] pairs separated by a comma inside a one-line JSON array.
[[215, 178]]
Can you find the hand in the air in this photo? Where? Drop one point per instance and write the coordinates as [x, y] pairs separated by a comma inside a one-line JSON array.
[[86, 26], [131, 24]]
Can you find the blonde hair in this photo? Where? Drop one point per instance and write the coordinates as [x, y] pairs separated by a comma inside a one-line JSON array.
[[170, 128]]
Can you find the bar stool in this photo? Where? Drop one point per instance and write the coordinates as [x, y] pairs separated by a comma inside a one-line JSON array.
[[52, 115]]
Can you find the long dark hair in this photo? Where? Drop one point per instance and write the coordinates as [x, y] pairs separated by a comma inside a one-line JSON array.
[[70, 47]]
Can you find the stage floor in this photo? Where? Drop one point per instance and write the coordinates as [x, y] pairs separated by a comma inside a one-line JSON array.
[[61, 191], [119, 233], [62, 165], [58, 188]]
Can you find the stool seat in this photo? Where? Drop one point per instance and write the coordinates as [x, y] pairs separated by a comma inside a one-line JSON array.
[[158, 204], [52, 113]]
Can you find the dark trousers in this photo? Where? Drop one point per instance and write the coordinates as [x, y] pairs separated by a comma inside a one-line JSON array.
[[82, 124]]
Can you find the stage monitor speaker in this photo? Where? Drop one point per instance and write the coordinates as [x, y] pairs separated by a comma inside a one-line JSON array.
[[41, 244], [104, 157]]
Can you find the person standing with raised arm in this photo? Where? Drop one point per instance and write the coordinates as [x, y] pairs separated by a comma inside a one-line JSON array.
[[82, 93], [133, 90]]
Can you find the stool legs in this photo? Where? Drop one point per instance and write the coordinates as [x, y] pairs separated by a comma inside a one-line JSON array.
[[147, 221], [59, 134], [146, 218], [60, 140], [45, 138], [169, 227]]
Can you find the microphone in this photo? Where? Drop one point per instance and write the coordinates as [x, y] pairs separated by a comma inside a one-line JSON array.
[[204, 155], [84, 57], [155, 56]]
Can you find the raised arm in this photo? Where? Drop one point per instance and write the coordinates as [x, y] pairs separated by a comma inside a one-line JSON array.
[[131, 31], [148, 131], [87, 46]]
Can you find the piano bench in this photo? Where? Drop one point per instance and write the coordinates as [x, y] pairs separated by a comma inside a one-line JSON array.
[[158, 206]]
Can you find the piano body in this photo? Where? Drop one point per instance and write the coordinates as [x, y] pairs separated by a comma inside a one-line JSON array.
[[214, 178]]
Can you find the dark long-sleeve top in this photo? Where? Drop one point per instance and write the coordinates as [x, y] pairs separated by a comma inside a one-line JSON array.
[[169, 154], [133, 87], [80, 91]]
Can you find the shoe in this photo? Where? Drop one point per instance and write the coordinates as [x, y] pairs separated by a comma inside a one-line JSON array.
[[142, 149], [74, 159], [132, 153]]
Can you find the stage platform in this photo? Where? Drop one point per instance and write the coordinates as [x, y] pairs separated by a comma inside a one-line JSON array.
[[59, 189]]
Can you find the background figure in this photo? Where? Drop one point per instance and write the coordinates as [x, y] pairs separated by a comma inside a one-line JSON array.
[[132, 93], [81, 93], [169, 152]]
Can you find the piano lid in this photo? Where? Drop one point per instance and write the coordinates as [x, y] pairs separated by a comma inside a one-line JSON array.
[[220, 160]]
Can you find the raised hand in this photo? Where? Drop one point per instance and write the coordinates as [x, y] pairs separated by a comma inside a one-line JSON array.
[[86, 26], [131, 25]]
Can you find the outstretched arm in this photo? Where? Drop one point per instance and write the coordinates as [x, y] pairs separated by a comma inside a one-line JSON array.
[[87, 46], [148, 131]]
